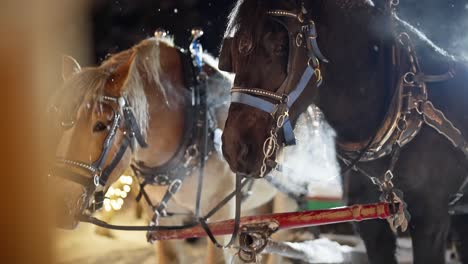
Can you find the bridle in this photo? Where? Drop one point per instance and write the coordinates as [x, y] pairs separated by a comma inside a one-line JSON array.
[[124, 118], [279, 102]]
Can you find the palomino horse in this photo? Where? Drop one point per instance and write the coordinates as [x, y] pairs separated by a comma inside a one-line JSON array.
[[136, 109], [382, 85]]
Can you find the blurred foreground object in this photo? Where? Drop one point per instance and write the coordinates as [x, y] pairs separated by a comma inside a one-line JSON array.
[[33, 34]]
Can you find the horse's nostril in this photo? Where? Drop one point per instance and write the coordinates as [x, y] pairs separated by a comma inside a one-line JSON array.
[[243, 152]]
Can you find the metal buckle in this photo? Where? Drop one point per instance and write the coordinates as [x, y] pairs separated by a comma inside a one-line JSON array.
[[97, 177], [175, 186], [96, 180]]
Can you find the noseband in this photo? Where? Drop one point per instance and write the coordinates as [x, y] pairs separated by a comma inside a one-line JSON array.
[[100, 174], [279, 102]]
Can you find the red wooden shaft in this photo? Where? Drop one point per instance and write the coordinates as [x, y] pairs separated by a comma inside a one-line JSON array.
[[285, 220]]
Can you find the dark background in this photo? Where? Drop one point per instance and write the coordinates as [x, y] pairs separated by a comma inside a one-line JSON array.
[[119, 24]]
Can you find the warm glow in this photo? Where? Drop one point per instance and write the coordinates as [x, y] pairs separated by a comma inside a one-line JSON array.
[[110, 192], [116, 194]]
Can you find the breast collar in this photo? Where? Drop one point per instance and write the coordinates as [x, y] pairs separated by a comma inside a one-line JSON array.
[[404, 117], [186, 158]]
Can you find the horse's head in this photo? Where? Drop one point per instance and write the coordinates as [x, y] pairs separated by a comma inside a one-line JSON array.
[[279, 51], [98, 133]]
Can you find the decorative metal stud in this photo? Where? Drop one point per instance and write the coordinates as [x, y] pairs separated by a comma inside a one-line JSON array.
[[197, 33], [160, 33]]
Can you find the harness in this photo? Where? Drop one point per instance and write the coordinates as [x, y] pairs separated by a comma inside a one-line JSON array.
[[409, 109], [190, 155], [124, 118], [195, 148]]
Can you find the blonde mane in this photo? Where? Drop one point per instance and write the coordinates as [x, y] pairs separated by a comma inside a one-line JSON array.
[[89, 85]]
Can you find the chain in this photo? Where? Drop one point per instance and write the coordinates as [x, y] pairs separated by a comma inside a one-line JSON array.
[[271, 146]]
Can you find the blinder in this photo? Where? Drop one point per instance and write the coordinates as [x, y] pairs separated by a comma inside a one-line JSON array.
[[99, 173]]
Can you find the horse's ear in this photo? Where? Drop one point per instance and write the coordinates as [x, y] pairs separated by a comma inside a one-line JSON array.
[[70, 67], [119, 76], [225, 56]]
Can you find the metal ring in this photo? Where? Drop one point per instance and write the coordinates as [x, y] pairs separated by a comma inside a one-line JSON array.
[[409, 78], [400, 38], [247, 257], [317, 63], [395, 2], [402, 125], [300, 17], [299, 39]]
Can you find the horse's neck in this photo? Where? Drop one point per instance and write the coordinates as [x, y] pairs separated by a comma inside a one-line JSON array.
[[355, 107]]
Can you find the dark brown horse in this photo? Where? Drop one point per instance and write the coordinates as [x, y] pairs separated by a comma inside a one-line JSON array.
[[380, 84]]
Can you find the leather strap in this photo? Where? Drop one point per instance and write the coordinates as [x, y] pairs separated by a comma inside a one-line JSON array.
[[204, 225], [115, 161], [301, 85], [437, 120], [74, 177], [132, 125], [312, 45], [108, 141], [425, 78], [253, 101], [266, 106]]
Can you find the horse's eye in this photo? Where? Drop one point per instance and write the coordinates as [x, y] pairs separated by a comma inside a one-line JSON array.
[[281, 49], [245, 45], [99, 127]]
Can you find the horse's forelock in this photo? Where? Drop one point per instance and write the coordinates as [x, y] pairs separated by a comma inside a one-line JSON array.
[[84, 87], [246, 21], [89, 85]]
